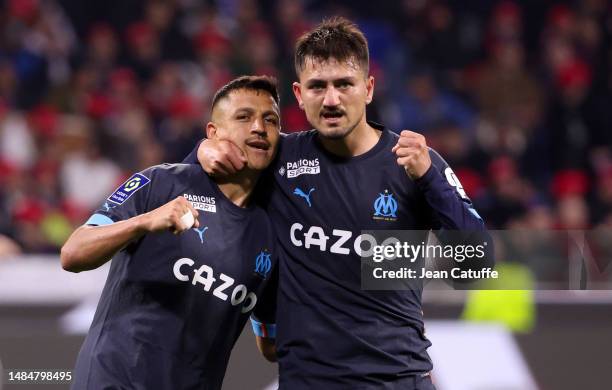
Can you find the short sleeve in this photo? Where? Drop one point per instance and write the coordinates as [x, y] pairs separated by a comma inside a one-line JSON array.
[[128, 200]]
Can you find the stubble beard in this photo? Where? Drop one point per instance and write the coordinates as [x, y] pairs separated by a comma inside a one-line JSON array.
[[337, 133]]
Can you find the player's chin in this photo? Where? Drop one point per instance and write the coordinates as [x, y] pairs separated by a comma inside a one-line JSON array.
[[259, 163], [333, 132], [334, 129]]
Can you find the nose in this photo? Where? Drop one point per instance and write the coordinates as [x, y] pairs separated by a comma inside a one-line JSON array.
[[257, 127], [331, 98]]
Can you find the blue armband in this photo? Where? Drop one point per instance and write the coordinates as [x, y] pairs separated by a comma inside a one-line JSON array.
[[263, 330]]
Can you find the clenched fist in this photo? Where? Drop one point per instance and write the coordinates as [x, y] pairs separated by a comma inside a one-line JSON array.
[[412, 153], [170, 217]]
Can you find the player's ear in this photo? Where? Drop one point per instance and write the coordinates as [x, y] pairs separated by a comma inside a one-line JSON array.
[[297, 91], [369, 89], [211, 130]]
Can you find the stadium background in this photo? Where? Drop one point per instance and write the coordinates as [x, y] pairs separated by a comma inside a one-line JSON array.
[[516, 95]]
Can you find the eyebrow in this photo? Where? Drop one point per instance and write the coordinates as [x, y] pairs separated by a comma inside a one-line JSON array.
[[348, 79], [249, 110], [311, 82]]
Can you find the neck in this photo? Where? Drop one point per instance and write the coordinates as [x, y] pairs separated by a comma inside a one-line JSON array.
[[363, 138], [239, 186]]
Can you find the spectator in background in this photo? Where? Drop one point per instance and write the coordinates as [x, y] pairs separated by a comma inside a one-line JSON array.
[[602, 205], [508, 194], [102, 49], [509, 99], [424, 106], [163, 18], [81, 162], [571, 120], [570, 188], [17, 144], [8, 83], [144, 51], [181, 128]]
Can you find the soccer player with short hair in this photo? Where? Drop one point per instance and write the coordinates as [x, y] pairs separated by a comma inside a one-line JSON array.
[[177, 298], [325, 187]]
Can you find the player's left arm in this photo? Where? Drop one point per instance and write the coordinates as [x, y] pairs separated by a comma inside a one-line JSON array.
[[263, 319], [454, 219], [437, 182]]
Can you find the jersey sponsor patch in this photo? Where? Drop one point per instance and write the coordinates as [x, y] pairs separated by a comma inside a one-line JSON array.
[[129, 188], [301, 167], [453, 180], [202, 202]]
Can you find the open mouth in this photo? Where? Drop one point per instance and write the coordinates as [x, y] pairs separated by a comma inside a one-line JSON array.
[[258, 144], [332, 115]]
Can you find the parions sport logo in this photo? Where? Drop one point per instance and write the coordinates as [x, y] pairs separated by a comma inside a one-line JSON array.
[[202, 202], [300, 167]]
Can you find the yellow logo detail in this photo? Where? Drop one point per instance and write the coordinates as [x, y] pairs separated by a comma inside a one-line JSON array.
[[132, 184]]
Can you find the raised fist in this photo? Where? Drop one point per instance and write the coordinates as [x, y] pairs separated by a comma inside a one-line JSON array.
[[412, 153]]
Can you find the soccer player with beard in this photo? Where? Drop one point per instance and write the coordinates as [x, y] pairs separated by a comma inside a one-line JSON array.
[[177, 298], [325, 187]]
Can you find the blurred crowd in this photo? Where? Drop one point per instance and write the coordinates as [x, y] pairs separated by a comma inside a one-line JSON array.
[[515, 95]]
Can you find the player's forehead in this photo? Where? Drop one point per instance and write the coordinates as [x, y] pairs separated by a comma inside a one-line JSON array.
[[330, 68], [252, 100]]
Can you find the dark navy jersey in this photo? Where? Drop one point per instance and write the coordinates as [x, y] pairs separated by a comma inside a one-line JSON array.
[[331, 334], [174, 305]]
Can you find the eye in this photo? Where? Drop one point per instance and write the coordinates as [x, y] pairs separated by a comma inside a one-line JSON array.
[[242, 117], [344, 84], [272, 120]]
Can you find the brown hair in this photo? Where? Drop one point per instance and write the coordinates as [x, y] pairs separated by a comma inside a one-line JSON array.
[[337, 38], [254, 83]]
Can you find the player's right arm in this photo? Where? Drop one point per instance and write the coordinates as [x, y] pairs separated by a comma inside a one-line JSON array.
[[89, 246], [218, 158]]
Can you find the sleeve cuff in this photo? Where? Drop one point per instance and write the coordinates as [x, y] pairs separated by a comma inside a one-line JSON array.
[[429, 177], [99, 220], [263, 330]]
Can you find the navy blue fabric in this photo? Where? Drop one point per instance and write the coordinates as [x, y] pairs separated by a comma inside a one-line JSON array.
[[158, 324], [331, 334]]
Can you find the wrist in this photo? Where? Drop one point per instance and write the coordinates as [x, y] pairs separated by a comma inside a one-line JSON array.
[[429, 175], [141, 223], [417, 172]]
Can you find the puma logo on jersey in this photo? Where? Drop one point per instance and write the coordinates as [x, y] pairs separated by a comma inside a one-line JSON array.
[[201, 233], [301, 193], [107, 206]]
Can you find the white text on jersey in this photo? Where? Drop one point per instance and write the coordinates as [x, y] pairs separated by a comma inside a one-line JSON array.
[[202, 202]]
